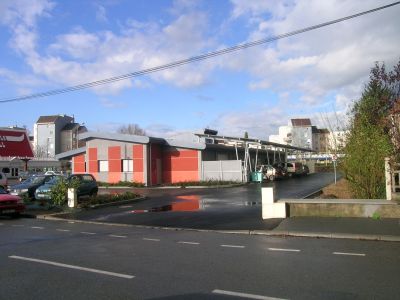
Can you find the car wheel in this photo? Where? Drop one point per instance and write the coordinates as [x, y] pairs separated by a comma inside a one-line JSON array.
[[93, 193], [16, 215], [271, 177]]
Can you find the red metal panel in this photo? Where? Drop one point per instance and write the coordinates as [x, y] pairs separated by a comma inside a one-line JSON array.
[[14, 143], [79, 163], [180, 165], [114, 159], [138, 163], [92, 158], [114, 164]]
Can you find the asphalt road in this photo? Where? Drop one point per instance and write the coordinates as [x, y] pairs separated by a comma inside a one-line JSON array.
[[236, 208], [41, 259]]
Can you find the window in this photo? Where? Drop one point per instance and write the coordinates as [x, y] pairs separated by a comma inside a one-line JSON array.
[[103, 165], [127, 165], [88, 178]]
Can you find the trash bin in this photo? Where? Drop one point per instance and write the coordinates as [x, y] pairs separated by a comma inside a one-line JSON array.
[[256, 176]]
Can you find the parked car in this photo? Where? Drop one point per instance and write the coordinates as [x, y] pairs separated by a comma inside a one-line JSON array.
[[270, 172], [10, 204], [29, 186], [294, 168], [43, 192], [52, 173], [306, 170], [87, 184], [3, 180]]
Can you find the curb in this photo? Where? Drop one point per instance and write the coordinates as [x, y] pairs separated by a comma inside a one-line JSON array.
[[174, 187], [329, 235], [272, 233]]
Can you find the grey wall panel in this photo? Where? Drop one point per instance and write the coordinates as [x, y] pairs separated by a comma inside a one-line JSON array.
[[103, 176], [226, 170]]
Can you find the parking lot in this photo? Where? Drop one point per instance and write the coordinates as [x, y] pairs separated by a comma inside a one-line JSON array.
[[237, 208]]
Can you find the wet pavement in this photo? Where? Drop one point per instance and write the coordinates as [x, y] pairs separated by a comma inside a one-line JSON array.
[[237, 208]]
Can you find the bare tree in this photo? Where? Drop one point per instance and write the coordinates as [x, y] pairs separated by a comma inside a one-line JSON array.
[[133, 129]]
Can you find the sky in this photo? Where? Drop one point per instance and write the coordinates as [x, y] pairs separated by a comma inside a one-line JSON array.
[[50, 44]]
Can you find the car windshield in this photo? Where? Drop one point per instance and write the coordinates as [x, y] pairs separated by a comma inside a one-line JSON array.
[[34, 180], [55, 180]]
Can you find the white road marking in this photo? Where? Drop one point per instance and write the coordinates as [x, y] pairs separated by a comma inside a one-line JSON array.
[[189, 243], [118, 236], [283, 249], [66, 230], [85, 232], [72, 267], [245, 295], [348, 253], [71, 222], [17, 225], [153, 240], [37, 227], [126, 206], [233, 246]]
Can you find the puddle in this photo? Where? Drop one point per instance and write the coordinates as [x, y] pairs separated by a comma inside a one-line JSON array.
[[184, 203]]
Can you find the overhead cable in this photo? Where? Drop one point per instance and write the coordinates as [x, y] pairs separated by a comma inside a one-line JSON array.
[[191, 59]]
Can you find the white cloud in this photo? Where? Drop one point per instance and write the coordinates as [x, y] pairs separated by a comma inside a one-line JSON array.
[[101, 14], [107, 103], [329, 60]]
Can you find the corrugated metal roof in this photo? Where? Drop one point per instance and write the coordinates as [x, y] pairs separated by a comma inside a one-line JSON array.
[[70, 153]]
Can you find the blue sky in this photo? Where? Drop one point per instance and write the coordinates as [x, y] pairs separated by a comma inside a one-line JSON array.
[[54, 44]]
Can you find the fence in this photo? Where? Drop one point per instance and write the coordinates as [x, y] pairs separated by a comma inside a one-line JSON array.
[[224, 170]]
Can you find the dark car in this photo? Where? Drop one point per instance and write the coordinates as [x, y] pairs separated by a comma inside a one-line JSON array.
[[29, 186], [10, 204], [43, 192], [87, 184]]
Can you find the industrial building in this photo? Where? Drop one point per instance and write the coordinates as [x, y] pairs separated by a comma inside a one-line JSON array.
[[113, 157]]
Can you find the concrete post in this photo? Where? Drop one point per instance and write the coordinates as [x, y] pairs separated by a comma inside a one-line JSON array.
[[388, 177], [271, 209], [72, 198]]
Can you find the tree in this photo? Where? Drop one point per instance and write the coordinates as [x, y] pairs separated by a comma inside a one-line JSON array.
[[371, 136], [246, 135], [133, 129]]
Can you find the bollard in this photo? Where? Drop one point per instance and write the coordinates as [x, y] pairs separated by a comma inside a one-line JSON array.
[[271, 209], [72, 198]]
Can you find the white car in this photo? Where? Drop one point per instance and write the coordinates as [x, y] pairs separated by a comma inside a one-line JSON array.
[[3, 180]]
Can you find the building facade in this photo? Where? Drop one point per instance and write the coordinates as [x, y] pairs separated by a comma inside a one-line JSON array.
[[112, 157], [55, 134]]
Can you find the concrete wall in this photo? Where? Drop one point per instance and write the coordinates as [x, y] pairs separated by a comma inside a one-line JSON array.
[[226, 170], [342, 208]]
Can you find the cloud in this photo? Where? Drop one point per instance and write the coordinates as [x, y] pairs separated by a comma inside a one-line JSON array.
[[80, 56], [107, 103], [331, 60], [101, 14]]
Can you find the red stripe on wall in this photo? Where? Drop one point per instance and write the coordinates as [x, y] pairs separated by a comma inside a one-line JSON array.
[[114, 164], [92, 158], [138, 163], [79, 163], [180, 165]]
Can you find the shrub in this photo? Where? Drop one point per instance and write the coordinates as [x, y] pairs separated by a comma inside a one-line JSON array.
[[121, 183], [108, 198], [59, 191]]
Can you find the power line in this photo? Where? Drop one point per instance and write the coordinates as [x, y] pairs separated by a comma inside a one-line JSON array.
[[191, 59]]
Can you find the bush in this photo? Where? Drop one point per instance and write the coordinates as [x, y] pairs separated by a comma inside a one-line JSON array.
[[203, 183], [121, 183], [59, 192], [108, 198]]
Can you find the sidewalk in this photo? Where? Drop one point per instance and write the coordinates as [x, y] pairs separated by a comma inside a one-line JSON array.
[[351, 228]]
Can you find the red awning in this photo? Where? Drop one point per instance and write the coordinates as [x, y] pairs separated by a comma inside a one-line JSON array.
[[14, 143]]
